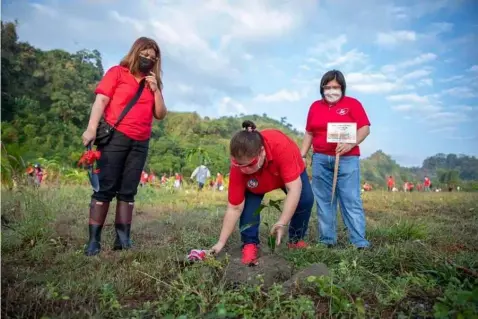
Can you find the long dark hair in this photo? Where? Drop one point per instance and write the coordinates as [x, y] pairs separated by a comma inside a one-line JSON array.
[[246, 143]]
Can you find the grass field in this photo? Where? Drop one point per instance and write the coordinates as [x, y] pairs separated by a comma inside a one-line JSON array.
[[423, 263]]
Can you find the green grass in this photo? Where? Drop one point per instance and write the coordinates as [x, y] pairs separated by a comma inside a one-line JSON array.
[[424, 254]]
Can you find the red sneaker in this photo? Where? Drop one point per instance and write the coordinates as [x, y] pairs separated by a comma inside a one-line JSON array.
[[298, 245], [249, 254]]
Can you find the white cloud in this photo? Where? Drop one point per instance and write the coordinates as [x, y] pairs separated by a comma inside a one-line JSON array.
[[45, 9], [228, 106], [370, 82], [445, 118], [280, 96], [248, 19], [330, 54], [474, 68], [452, 78], [425, 82], [350, 57], [402, 107], [461, 138], [416, 74], [444, 129], [421, 59], [461, 92], [441, 27], [465, 108], [429, 104], [393, 38], [410, 97]]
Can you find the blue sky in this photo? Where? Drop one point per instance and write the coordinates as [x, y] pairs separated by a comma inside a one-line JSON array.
[[412, 64]]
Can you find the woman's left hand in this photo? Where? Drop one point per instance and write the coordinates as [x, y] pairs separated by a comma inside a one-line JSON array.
[[343, 148], [151, 79], [278, 230]]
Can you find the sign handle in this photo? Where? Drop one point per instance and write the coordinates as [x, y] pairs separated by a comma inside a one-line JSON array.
[[336, 172]]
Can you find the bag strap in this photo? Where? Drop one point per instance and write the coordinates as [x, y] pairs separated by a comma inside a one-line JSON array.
[[131, 103]]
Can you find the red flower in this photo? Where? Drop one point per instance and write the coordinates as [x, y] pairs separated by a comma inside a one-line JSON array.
[[89, 157]]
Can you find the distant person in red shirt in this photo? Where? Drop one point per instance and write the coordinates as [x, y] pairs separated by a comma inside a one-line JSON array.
[[367, 187], [124, 155], [151, 178], [143, 179], [426, 184], [262, 162], [390, 183], [336, 107]]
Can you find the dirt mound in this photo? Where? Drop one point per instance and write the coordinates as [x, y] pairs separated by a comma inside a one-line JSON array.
[[270, 269]]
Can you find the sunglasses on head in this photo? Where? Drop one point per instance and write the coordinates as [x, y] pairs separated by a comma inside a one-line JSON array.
[[251, 163]]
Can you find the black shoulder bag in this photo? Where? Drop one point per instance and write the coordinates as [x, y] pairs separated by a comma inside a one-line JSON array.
[[104, 130]]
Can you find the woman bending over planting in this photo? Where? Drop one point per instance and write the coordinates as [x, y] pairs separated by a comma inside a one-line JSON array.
[[262, 162], [135, 83]]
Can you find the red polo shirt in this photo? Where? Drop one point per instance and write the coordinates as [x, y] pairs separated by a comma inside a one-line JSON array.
[[120, 86], [283, 164], [346, 110]]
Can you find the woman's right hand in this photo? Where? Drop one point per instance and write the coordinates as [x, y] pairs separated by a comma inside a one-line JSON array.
[[217, 248], [88, 136]]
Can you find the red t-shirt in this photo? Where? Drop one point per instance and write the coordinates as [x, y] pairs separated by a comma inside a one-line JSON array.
[[390, 182], [120, 86], [347, 109], [427, 182], [283, 164]]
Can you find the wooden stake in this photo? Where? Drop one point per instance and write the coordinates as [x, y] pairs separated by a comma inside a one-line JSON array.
[[336, 172]]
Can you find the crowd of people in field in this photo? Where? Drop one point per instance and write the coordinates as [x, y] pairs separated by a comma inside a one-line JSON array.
[[201, 174], [408, 186], [35, 174]]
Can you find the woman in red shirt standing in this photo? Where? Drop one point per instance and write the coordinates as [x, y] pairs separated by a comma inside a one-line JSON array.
[[123, 157], [262, 162], [336, 107]]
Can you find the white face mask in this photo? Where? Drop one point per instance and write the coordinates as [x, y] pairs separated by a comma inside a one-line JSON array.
[[333, 95]]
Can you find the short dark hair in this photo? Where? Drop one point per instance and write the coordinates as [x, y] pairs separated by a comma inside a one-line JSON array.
[[333, 75], [246, 143]]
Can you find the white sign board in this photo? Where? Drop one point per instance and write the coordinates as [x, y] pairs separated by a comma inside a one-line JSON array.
[[342, 133]]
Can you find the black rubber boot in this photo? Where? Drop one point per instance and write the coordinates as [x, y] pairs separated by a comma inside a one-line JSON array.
[[98, 212], [122, 240], [94, 245], [124, 215]]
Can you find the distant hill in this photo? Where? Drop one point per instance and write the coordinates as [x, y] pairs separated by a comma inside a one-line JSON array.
[[443, 169], [47, 97]]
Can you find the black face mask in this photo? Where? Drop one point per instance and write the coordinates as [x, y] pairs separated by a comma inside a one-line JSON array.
[[145, 65]]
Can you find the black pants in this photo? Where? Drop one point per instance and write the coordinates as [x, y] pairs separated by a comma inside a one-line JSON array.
[[121, 164]]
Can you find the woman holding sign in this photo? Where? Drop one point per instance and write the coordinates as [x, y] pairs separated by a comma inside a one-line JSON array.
[[336, 125]]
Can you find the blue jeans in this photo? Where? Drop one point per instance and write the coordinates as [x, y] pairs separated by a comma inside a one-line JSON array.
[[250, 220], [348, 194]]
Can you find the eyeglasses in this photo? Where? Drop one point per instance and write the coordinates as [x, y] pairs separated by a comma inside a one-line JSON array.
[[251, 163]]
